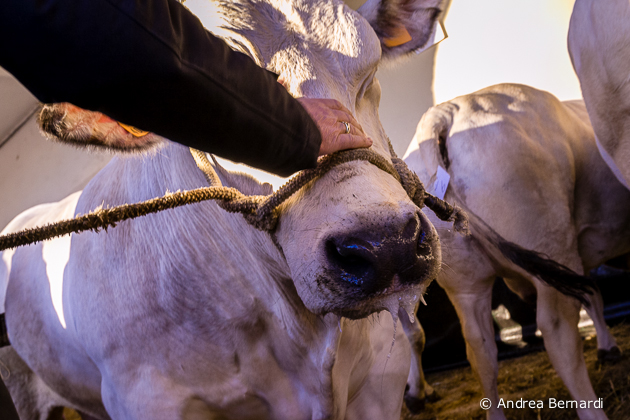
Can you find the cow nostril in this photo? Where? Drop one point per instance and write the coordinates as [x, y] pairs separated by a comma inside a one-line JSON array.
[[423, 247], [414, 234], [351, 259], [411, 228], [422, 244]]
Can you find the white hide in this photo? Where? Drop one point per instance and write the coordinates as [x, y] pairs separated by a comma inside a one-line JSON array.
[[526, 164], [599, 45], [55, 252]]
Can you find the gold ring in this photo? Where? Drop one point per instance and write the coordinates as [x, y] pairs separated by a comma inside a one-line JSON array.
[[347, 127]]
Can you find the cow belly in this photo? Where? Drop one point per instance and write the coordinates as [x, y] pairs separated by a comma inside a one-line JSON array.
[[40, 337]]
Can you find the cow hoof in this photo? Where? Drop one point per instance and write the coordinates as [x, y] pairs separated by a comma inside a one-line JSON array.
[[415, 405], [611, 356]]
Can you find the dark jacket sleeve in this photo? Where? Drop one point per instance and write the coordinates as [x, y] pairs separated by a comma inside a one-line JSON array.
[[151, 64]]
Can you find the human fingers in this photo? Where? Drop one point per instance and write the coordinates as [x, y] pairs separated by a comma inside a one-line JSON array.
[[346, 116], [322, 108], [338, 127], [328, 103], [343, 113], [345, 127], [337, 137], [351, 141]]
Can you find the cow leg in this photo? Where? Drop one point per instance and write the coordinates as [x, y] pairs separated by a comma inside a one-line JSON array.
[[474, 308], [33, 399], [380, 397], [557, 317], [607, 350], [418, 390], [145, 394]]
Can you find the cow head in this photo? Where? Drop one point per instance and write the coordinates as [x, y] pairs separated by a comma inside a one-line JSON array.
[[354, 242]]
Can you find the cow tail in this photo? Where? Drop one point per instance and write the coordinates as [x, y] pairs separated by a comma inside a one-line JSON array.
[[556, 275], [550, 272]]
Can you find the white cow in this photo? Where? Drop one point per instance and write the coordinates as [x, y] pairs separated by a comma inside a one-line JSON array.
[[599, 45], [192, 313], [527, 164]]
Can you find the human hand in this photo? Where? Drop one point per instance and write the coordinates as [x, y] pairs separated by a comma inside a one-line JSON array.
[[330, 115]]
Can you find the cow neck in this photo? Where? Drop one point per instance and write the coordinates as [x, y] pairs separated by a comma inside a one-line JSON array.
[[196, 239], [214, 180], [304, 332]]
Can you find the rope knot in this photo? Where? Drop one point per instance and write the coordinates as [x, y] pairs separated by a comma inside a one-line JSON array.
[[410, 182], [265, 222]]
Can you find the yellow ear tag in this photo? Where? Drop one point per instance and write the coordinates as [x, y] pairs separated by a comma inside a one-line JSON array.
[[401, 36], [136, 132]]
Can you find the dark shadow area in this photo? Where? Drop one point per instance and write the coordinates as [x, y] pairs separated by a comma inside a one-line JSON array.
[[445, 346]]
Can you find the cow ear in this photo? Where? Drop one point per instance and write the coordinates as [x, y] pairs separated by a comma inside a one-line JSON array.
[[404, 26], [70, 124]]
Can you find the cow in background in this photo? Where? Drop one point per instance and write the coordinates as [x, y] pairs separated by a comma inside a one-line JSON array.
[[526, 166], [599, 46]]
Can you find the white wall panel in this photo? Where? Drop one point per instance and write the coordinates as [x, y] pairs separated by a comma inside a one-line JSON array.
[[16, 103], [407, 93], [499, 41], [34, 170]]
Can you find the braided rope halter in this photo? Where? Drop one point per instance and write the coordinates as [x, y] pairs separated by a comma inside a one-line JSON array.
[[259, 210]]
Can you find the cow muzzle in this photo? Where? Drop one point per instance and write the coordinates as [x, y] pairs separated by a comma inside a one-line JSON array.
[[381, 258]]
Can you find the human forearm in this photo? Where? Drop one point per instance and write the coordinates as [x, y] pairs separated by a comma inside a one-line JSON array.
[[151, 64]]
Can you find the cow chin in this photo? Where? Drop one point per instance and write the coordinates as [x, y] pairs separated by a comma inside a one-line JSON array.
[[391, 300]]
